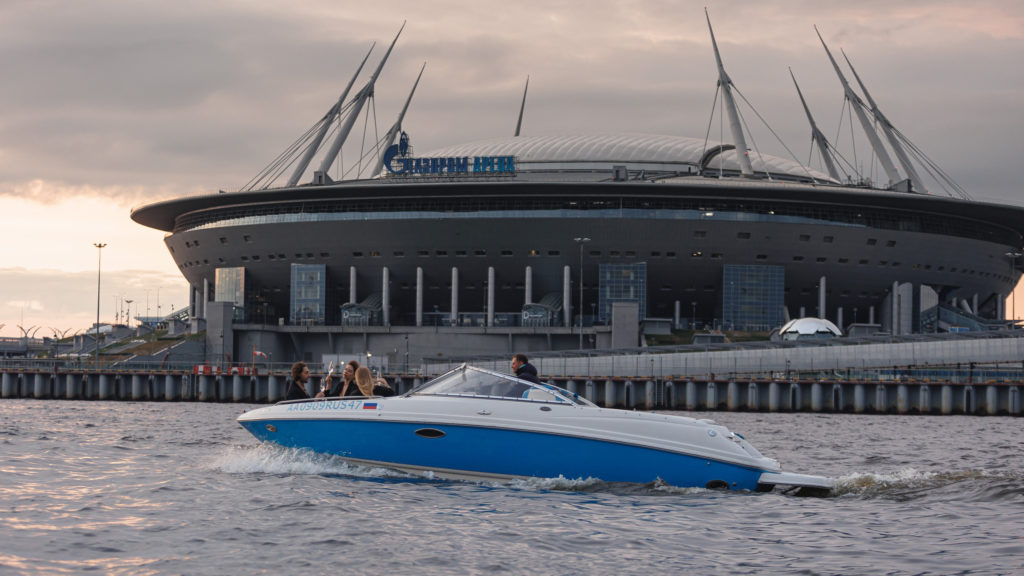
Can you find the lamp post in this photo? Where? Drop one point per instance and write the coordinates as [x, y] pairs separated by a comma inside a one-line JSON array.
[[581, 241], [99, 267], [693, 315], [128, 316]]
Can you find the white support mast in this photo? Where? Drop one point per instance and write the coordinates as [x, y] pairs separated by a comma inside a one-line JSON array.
[[858, 107], [887, 129], [816, 134], [326, 122], [353, 113], [519, 123], [396, 128], [730, 107]]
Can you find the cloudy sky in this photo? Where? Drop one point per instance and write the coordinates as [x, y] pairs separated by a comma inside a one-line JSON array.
[[108, 104]]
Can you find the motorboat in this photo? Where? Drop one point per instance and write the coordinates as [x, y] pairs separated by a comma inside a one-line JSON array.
[[472, 423]]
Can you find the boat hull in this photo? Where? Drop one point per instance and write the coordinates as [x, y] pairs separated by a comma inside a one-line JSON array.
[[486, 452]]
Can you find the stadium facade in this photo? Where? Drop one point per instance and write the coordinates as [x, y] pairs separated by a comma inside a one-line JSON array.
[[530, 243]]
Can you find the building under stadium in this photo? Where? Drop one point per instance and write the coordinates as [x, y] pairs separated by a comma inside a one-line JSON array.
[[528, 243]]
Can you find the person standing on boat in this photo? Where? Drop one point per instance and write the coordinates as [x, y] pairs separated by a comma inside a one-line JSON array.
[[523, 369], [297, 386]]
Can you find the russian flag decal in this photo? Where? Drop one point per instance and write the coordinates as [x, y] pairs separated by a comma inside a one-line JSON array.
[[369, 405]]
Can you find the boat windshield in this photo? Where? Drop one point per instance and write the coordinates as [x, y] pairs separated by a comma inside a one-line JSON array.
[[469, 381]]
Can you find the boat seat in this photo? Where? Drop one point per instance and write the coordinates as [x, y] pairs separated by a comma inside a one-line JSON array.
[[537, 394]]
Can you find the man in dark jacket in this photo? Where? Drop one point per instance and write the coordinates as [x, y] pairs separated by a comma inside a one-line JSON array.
[[524, 370]]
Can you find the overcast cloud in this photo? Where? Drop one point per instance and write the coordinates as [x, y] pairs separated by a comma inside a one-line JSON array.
[[136, 101]]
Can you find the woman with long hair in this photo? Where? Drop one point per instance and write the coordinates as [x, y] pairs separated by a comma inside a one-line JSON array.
[[368, 386]]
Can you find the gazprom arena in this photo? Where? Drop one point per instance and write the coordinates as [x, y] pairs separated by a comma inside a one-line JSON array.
[[530, 243]]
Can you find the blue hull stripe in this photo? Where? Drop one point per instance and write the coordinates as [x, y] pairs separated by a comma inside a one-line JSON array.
[[492, 451]]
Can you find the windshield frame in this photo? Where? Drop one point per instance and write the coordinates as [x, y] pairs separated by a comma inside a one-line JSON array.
[[506, 386]]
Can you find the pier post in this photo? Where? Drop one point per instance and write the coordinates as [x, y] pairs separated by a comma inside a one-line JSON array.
[[274, 392], [105, 387], [796, 400], [858, 398], [238, 392], [711, 401], [42, 390], [7, 384], [924, 400], [170, 387], [609, 393], [570, 386], [72, 384], [991, 400], [881, 399], [138, 393], [969, 406], [1013, 400], [590, 391], [753, 397], [816, 397], [649, 395], [671, 396], [902, 399], [773, 397], [947, 400], [732, 395], [691, 395], [629, 400], [204, 388]]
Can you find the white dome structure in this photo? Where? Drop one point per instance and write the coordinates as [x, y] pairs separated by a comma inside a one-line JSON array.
[[809, 328]]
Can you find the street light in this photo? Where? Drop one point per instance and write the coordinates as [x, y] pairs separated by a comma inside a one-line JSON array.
[[581, 242], [99, 267], [693, 312], [128, 317]]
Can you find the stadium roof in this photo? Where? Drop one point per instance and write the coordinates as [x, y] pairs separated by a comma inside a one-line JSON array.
[[657, 152]]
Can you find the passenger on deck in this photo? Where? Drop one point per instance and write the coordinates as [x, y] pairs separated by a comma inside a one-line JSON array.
[[297, 385], [524, 370], [369, 386], [347, 385]]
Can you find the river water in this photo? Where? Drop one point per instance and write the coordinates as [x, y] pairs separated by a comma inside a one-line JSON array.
[[180, 488]]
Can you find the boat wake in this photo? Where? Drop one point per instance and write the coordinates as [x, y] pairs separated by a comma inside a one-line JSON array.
[[910, 483], [270, 459]]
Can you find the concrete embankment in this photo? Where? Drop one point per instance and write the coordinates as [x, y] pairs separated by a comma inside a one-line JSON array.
[[898, 396]]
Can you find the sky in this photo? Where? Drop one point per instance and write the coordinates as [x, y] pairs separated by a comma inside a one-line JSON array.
[[110, 104]]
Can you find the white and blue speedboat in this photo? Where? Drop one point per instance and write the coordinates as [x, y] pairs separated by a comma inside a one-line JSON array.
[[477, 424]]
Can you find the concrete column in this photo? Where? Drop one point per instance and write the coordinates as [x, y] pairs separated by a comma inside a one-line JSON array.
[[137, 387], [803, 312], [42, 386], [192, 302], [567, 295], [675, 317], [915, 309], [529, 286], [106, 387], [9, 386], [72, 384], [839, 317], [490, 295], [385, 291], [895, 305], [171, 387], [871, 315], [974, 305], [351, 284], [455, 296], [206, 296], [821, 298], [419, 296]]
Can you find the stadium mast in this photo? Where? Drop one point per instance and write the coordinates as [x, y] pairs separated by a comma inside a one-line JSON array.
[[730, 106], [816, 134], [519, 123], [357, 106], [396, 128], [325, 123], [858, 107], [887, 129]]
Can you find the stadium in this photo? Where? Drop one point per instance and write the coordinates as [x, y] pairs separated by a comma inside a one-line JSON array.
[[528, 243]]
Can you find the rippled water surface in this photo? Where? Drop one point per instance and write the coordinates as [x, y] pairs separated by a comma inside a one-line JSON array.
[[148, 488]]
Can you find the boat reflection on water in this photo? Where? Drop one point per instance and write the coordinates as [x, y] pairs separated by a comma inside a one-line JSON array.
[[472, 423]]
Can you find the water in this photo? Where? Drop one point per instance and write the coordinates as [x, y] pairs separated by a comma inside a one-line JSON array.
[[149, 488]]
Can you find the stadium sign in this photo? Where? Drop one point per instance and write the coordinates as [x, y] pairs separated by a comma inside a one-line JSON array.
[[397, 161]]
